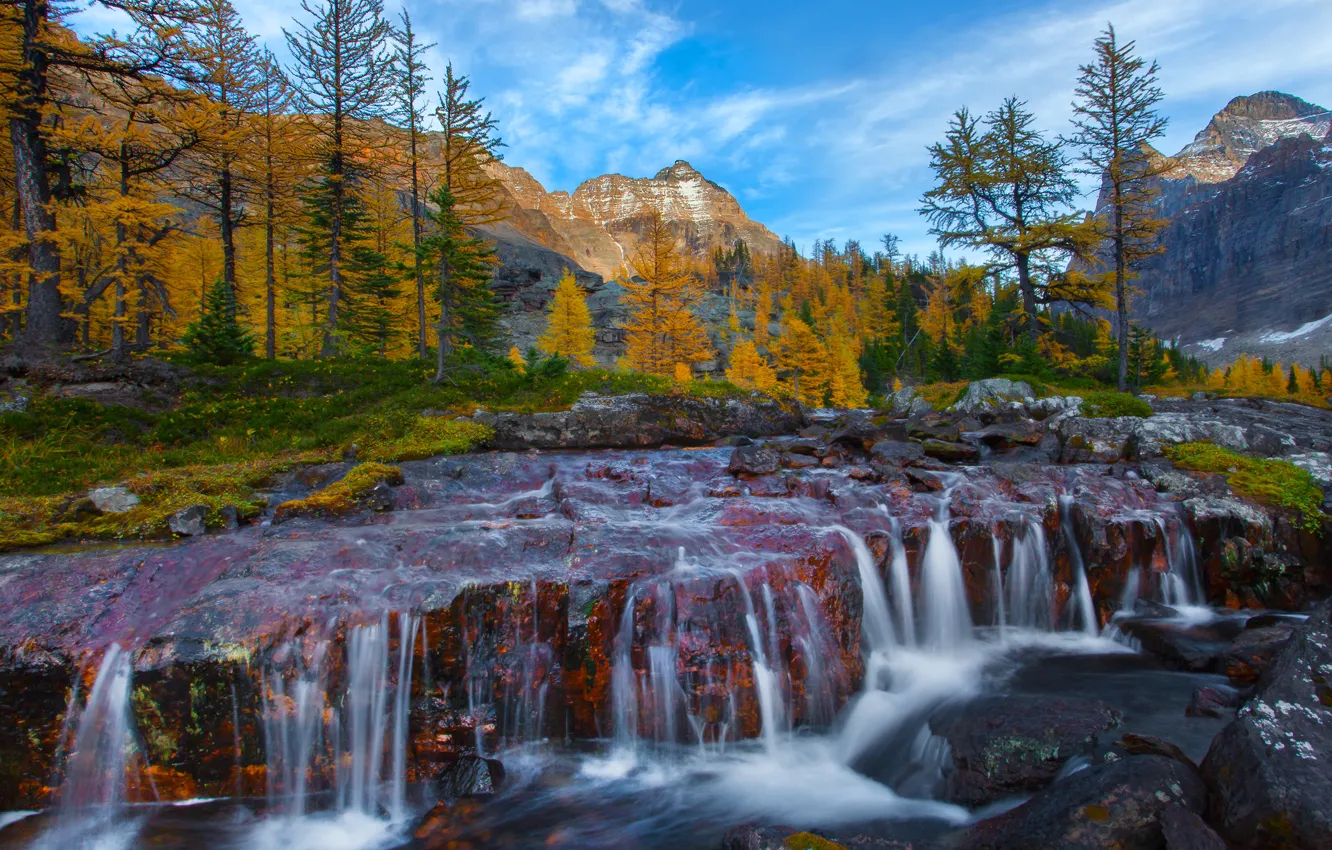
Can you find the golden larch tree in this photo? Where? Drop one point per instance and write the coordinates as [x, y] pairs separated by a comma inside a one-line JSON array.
[[748, 369], [661, 329], [569, 324], [804, 359]]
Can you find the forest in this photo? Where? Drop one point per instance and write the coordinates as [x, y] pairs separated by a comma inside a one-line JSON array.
[[175, 189]]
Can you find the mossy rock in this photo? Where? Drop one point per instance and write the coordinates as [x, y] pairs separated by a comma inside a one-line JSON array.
[[1111, 405], [1271, 482], [360, 489], [810, 841]]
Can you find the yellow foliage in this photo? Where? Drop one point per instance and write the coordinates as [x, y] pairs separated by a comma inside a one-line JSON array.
[[516, 358], [661, 329], [749, 370], [805, 359], [683, 374], [846, 386], [569, 326]]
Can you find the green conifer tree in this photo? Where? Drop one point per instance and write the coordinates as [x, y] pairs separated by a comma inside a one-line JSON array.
[[217, 337]]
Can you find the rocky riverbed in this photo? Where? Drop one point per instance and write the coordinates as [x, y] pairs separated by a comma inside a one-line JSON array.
[[852, 623]]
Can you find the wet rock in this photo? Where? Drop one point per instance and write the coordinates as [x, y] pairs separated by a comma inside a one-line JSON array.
[[754, 460], [642, 421], [1184, 830], [1117, 804], [950, 452], [1151, 435], [896, 453], [1268, 770], [1146, 745], [905, 402], [1095, 440], [756, 838], [985, 396], [230, 517], [802, 446], [113, 500], [1196, 649], [1006, 745], [1213, 701], [1006, 435], [791, 460], [933, 428], [188, 522], [470, 776], [1254, 651]]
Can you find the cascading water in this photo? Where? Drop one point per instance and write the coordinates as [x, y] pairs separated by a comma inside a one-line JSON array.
[[876, 622], [1030, 584], [1181, 585], [1081, 589], [944, 614]]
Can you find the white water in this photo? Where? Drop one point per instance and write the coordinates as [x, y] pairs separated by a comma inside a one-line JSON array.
[[1030, 584], [945, 616], [876, 622], [1081, 589]]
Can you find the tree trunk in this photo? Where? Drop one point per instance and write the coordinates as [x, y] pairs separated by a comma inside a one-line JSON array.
[[443, 347], [226, 220], [1121, 296], [416, 255], [1028, 294], [337, 188]]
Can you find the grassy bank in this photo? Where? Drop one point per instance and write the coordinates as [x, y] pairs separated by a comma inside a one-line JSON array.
[[230, 430]]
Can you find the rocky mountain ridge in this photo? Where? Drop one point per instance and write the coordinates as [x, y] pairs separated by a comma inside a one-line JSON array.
[[597, 224], [1248, 265]]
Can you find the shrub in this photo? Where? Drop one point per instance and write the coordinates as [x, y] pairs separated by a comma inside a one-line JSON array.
[[1271, 482], [217, 337], [1107, 405]]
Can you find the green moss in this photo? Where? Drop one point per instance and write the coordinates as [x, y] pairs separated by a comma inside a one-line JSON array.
[[344, 496], [428, 436], [810, 841], [1271, 482], [1107, 405]]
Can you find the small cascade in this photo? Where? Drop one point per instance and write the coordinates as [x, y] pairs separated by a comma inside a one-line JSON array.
[[1181, 584], [876, 622], [95, 773], [766, 682], [944, 614], [997, 583], [360, 729], [624, 689], [822, 668], [1030, 585], [1081, 589]]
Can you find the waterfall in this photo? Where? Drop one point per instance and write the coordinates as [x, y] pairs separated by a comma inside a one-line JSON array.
[[766, 684], [1000, 611], [1181, 585], [364, 718], [1030, 582], [901, 578], [97, 764], [876, 622], [945, 616], [293, 728], [402, 698], [624, 692], [820, 701], [1081, 589]]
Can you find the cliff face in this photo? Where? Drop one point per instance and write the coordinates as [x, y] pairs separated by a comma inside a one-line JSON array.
[[1248, 259], [598, 225]]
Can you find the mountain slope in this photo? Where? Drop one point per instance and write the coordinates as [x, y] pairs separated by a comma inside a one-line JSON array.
[[1248, 257], [598, 225]]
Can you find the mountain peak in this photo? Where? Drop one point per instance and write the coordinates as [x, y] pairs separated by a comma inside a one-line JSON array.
[[1246, 125], [680, 170]]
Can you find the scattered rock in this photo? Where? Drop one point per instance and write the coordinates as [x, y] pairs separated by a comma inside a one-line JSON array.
[[113, 500], [1006, 745], [1268, 770], [14, 401], [791, 460], [188, 522], [930, 428], [470, 776], [1095, 440], [950, 452], [985, 396], [1213, 701], [1254, 651], [1054, 408], [896, 453], [754, 460], [230, 517], [1006, 435], [1184, 830], [1117, 804]]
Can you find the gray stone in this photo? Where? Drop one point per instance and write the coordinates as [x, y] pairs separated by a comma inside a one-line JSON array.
[[984, 396], [1095, 440], [1054, 408], [484, 417], [754, 460], [188, 522], [14, 401], [1317, 464], [896, 452], [899, 403], [230, 517], [113, 500]]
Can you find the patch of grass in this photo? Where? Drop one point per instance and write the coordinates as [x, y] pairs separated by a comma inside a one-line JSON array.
[[943, 393], [428, 436], [344, 496], [810, 841], [1271, 482], [1107, 405]]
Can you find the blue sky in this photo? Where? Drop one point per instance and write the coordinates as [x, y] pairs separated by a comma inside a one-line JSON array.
[[816, 116]]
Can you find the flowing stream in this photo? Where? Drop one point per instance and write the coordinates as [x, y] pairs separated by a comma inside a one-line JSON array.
[[735, 658]]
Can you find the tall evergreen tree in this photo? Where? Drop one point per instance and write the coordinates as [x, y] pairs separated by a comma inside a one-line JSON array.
[[410, 78], [470, 142], [1116, 119], [276, 171], [463, 265], [341, 79]]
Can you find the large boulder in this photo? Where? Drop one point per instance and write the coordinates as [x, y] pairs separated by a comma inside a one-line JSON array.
[[1095, 440], [1268, 771], [983, 397], [754, 460], [1151, 435], [644, 421], [113, 500], [1120, 803], [1006, 745]]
